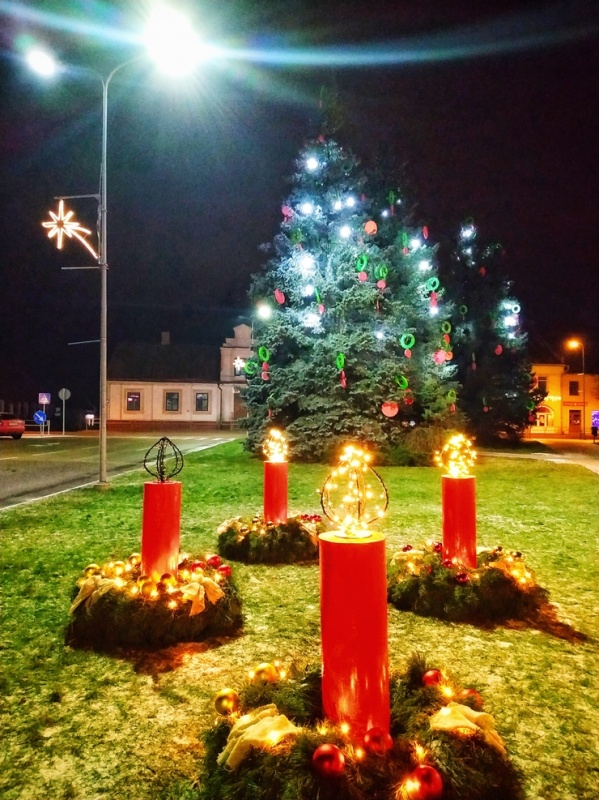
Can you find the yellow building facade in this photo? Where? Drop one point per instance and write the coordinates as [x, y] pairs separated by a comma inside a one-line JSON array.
[[571, 405]]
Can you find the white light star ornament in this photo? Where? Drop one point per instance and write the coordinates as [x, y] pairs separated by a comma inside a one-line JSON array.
[[63, 224]]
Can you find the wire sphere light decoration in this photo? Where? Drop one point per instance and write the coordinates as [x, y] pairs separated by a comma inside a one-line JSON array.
[[163, 460], [354, 495]]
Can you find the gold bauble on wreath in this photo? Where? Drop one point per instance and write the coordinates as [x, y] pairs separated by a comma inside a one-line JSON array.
[[226, 702]]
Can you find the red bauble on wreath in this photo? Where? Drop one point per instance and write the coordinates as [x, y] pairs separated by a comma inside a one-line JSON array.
[[377, 741], [424, 783], [432, 677], [328, 760]]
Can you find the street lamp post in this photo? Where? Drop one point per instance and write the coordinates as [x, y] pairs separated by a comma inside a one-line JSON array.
[[575, 344], [174, 46]]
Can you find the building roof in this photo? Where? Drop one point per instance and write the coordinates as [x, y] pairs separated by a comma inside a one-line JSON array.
[[165, 362]]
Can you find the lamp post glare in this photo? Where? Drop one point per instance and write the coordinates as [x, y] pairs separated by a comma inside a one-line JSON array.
[[577, 344], [174, 46], [171, 43], [42, 62]]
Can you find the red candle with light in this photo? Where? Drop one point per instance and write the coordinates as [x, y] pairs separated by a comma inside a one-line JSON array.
[[275, 477], [458, 495], [353, 600], [161, 528]]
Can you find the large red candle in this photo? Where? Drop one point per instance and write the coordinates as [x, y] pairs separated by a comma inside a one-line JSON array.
[[459, 519], [353, 614], [275, 491], [161, 528]]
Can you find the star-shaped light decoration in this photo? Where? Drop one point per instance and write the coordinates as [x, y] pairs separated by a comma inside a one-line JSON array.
[[62, 225]]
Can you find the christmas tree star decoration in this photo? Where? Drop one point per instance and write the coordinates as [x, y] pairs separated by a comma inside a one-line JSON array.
[[63, 224]]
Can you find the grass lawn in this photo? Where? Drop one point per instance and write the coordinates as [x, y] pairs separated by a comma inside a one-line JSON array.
[[82, 725]]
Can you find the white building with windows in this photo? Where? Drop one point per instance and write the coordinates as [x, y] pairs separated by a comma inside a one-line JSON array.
[[571, 405], [178, 386]]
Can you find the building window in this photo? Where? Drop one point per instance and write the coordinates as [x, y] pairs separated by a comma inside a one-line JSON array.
[[133, 401], [574, 388], [542, 384], [171, 401], [202, 401]]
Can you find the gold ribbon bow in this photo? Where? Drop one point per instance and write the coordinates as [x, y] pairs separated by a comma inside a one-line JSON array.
[[198, 590], [456, 717], [91, 589], [262, 727]]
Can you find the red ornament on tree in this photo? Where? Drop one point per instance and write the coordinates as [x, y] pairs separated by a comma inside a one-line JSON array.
[[389, 409], [328, 760], [424, 783], [279, 297], [407, 353], [381, 284], [498, 350], [378, 741], [362, 276], [342, 379]]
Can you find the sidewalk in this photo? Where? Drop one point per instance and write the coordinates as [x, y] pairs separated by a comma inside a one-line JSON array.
[[562, 451]]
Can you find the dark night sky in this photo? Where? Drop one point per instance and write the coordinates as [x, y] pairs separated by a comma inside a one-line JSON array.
[[505, 134]]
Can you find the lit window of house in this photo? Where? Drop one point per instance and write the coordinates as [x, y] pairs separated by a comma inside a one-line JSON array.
[[171, 401], [574, 388], [542, 384], [202, 401], [133, 401]]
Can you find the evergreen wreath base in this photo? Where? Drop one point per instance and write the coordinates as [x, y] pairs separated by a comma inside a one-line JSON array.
[[116, 619], [501, 587], [255, 541], [471, 768]]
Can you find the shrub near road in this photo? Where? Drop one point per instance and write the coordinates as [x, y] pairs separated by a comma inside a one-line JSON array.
[[78, 724]]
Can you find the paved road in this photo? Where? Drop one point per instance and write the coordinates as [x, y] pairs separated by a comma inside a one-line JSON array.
[[37, 466]]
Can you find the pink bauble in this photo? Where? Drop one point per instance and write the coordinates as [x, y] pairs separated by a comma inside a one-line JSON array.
[[370, 227], [320, 308], [390, 409], [498, 350], [265, 376], [407, 353], [362, 276], [381, 284], [439, 357], [279, 297]]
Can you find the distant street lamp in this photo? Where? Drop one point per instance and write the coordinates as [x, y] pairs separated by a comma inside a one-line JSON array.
[[175, 48], [578, 344]]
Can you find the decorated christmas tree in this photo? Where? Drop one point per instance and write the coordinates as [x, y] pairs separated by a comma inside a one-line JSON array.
[[489, 343], [352, 338]]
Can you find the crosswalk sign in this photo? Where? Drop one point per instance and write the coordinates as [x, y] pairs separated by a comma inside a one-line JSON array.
[[44, 398]]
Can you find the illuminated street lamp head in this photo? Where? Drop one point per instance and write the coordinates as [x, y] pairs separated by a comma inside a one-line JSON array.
[[354, 495], [275, 446], [457, 456], [172, 43], [42, 62], [264, 311], [574, 344]]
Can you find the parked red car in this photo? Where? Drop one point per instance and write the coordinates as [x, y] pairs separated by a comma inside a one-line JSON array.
[[11, 425]]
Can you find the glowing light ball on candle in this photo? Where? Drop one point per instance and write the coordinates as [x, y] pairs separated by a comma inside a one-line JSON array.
[[226, 702], [457, 456], [328, 760], [275, 446], [354, 495]]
